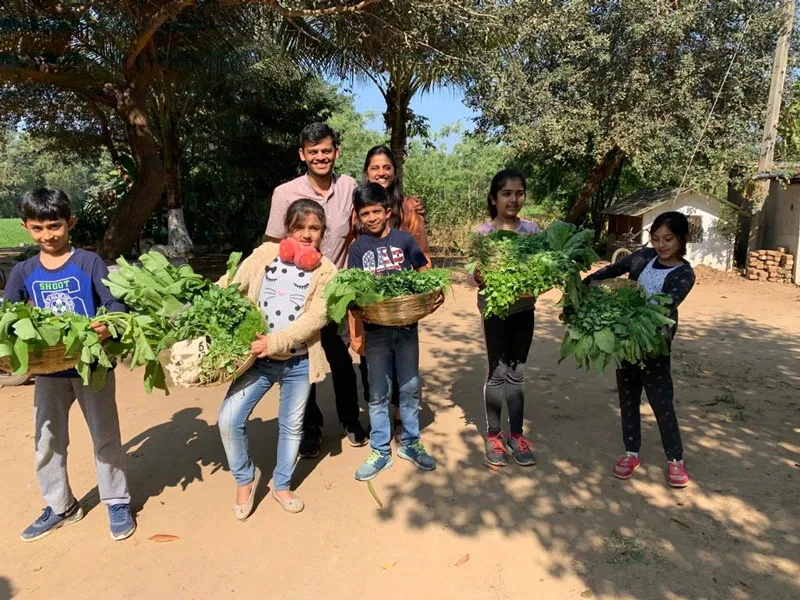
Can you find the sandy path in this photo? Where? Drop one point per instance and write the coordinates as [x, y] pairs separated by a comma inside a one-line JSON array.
[[564, 529]]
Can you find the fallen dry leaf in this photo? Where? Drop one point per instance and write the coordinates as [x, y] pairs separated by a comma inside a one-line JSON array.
[[374, 494], [390, 566], [163, 537], [587, 594], [462, 560], [681, 523]]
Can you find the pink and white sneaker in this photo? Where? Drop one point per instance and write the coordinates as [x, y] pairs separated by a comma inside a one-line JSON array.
[[677, 476], [626, 464]]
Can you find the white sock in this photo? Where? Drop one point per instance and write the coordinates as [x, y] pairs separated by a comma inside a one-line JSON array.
[[633, 454]]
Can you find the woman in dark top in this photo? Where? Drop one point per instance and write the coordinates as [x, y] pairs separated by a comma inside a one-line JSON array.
[[660, 269]]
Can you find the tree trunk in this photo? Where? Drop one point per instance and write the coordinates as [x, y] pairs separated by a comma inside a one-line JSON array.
[[177, 233], [396, 118], [145, 193], [597, 175], [603, 198]]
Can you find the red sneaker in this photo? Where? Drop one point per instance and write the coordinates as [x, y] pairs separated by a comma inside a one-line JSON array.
[[677, 476], [626, 465]]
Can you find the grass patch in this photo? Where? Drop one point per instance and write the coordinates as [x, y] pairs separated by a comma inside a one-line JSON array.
[[623, 550], [12, 234]]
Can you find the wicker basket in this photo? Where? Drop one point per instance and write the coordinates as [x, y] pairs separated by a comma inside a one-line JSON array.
[[165, 356], [403, 310], [616, 283], [239, 372], [52, 360]]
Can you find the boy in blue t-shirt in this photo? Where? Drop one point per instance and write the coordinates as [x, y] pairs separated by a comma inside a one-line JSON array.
[[385, 251], [66, 279]]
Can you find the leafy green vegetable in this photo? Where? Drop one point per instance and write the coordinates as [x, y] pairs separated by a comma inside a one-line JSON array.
[[361, 288], [622, 324], [229, 321], [514, 265], [26, 330]]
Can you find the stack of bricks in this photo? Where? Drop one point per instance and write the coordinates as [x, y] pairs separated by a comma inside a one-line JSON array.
[[770, 265]]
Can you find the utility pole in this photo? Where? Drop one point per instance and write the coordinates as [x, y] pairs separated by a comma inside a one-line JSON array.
[[758, 191]]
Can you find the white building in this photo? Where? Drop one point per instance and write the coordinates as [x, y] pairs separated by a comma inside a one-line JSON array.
[[636, 213]]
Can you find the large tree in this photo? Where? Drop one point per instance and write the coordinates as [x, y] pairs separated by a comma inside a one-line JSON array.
[[404, 47], [609, 81], [104, 56]]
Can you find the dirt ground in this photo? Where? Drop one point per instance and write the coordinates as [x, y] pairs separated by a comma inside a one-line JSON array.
[[563, 529]]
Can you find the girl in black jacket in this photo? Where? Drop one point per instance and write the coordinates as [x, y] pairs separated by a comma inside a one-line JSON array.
[[663, 269]]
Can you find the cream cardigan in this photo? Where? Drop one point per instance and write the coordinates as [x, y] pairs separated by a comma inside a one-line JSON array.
[[250, 276]]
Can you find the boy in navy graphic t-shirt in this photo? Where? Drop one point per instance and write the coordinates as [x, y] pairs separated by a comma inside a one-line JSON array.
[[65, 279], [386, 251]]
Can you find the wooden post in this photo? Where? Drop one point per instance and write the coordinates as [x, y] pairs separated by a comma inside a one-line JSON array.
[[758, 191]]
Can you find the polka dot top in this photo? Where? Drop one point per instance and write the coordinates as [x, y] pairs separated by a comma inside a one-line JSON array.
[[283, 297], [653, 277]]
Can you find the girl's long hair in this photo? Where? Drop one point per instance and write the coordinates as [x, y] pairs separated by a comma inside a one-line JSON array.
[[498, 181], [395, 190]]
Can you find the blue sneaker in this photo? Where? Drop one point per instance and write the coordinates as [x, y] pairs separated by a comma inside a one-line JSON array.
[[416, 454], [122, 523], [49, 521], [375, 463]]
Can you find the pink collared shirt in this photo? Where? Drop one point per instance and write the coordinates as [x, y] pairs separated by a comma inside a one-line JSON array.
[[338, 206]]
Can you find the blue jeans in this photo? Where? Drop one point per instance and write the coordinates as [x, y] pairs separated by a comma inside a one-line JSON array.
[[243, 396], [383, 347]]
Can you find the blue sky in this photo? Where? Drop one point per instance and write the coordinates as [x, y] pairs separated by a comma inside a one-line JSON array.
[[441, 107]]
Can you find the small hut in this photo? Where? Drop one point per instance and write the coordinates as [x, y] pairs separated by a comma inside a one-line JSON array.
[[634, 215]]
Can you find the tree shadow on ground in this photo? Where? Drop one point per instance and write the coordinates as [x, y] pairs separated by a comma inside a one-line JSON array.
[[734, 533]]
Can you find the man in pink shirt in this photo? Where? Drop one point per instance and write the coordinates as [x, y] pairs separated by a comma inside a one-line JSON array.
[[319, 150]]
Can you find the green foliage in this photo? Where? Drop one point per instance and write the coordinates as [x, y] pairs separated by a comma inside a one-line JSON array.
[[622, 324], [727, 224], [28, 162], [355, 138], [788, 146], [514, 265], [579, 79], [453, 182], [357, 287]]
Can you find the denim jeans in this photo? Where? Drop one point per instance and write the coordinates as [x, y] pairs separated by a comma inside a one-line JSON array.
[[384, 347], [243, 396]]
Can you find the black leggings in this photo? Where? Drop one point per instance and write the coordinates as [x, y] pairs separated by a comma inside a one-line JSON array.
[[655, 376], [344, 381], [508, 342]]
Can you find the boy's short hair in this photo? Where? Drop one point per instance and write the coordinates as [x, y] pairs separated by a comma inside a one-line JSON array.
[[315, 133], [45, 205], [370, 194]]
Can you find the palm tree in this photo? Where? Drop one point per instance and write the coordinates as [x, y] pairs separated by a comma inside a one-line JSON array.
[[406, 48]]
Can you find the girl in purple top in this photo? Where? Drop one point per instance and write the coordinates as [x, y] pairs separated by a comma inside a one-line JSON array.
[[508, 339]]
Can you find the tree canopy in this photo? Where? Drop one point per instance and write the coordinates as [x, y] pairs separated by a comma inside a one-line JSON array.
[[598, 82]]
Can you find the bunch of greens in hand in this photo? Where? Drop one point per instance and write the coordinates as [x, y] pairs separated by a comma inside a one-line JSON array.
[[514, 265], [357, 287], [186, 306], [622, 324]]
